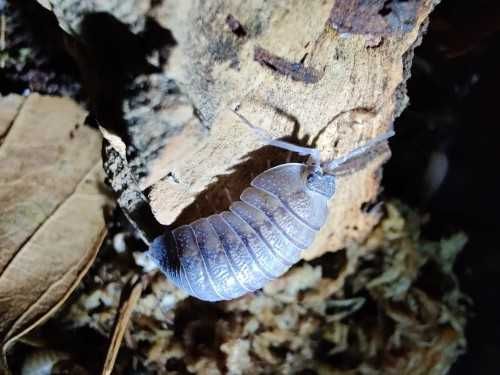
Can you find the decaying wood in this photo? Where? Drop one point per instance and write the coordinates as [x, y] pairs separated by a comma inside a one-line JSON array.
[[51, 215], [327, 73]]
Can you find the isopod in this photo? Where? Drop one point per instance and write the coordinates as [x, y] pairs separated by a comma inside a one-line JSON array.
[[229, 254]]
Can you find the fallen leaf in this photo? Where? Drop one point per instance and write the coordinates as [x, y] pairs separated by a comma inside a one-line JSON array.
[[9, 107], [51, 217]]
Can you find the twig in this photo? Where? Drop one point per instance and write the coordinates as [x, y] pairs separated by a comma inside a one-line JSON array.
[[3, 26], [130, 296]]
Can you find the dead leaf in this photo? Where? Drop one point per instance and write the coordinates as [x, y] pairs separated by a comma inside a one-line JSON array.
[[51, 218], [9, 107], [129, 301]]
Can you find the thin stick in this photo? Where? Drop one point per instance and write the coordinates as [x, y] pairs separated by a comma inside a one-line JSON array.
[[3, 26], [121, 323]]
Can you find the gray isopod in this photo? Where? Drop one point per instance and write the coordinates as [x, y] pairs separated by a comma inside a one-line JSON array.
[[229, 254]]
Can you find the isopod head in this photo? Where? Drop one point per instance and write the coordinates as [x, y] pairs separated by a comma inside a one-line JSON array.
[[320, 182], [163, 252]]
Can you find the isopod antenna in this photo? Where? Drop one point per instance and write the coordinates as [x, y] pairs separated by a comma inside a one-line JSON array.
[[358, 151], [313, 153]]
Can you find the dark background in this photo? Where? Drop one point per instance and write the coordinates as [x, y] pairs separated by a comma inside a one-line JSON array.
[[454, 110]]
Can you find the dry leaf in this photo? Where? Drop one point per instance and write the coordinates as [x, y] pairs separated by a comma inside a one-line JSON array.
[[9, 107], [51, 218]]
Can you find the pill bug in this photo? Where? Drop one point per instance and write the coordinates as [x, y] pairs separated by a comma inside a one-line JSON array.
[[229, 254]]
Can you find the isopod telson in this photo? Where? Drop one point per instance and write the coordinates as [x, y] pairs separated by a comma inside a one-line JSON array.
[[229, 254]]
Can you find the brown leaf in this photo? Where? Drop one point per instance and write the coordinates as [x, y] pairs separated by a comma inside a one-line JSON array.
[[9, 107], [51, 219]]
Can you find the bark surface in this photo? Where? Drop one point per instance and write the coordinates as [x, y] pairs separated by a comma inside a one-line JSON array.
[[327, 74]]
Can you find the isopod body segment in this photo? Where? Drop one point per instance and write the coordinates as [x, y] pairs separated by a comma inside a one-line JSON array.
[[229, 254]]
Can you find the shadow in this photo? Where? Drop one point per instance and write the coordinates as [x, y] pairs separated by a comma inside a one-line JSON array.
[[333, 264], [110, 57], [228, 187], [34, 57], [453, 91]]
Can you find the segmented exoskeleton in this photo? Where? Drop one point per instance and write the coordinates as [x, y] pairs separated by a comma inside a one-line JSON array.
[[229, 254]]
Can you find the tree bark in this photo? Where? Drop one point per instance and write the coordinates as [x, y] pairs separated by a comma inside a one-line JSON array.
[[327, 74]]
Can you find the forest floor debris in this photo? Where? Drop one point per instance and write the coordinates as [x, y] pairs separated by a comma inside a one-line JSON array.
[[400, 312]]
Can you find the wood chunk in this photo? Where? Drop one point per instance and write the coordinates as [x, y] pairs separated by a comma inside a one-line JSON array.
[[218, 70], [303, 70]]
